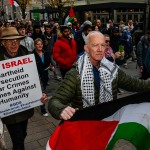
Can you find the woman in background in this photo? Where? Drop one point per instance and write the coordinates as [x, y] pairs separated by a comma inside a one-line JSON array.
[[43, 61]]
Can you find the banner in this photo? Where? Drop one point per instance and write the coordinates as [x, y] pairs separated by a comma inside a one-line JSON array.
[[70, 16], [20, 86], [123, 124]]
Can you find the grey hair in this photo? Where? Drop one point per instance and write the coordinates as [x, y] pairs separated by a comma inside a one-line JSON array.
[[91, 34]]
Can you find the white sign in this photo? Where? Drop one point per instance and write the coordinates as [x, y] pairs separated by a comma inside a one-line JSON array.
[[19, 85]]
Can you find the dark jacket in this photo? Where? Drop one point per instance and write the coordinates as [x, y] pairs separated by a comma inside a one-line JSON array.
[[69, 93], [115, 42], [42, 67], [24, 115], [142, 49], [80, 44], [35, 35], [49, 42]]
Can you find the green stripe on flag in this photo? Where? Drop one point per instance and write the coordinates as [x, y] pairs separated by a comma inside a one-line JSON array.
[[70, 19], [136, 133]]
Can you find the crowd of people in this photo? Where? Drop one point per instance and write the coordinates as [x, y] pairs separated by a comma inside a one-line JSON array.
[[86, 57]]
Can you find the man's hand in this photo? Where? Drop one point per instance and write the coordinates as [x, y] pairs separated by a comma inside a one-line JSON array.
[[43, 98], [67, 113]]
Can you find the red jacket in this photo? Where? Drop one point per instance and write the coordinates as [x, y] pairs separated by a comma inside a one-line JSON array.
[[65, 52]]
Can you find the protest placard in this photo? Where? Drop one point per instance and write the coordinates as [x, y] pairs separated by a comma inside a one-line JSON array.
[[20, 86]]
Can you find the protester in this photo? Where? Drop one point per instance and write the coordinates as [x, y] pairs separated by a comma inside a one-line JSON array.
[[117, 57], [81, 39], [79, 32], [27, 41], [110, 27], [56, 30], [65, 51], [29, 30], [72, 31], [37, 32], [143, 55], [78, 90], [49, 43], [16, 123], [43, 61], [95, 28], [130, 24], [98, 24]]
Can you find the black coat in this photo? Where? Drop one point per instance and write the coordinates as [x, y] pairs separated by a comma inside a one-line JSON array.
[[42, 67]]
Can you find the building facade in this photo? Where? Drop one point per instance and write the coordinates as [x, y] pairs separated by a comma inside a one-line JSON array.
[[84, 9], [105, 9]]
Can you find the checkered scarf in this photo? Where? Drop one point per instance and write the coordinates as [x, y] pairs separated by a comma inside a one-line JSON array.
[[107, 73]]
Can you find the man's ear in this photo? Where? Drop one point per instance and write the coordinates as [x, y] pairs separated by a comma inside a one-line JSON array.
[[86, 48]]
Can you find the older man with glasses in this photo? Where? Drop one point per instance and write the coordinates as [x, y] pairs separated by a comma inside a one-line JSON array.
[[16, 123]]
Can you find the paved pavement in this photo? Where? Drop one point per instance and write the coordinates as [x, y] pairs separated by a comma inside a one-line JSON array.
[[40, 128]]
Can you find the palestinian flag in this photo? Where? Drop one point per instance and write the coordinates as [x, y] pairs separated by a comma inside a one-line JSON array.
[[11, 2], [70, 16], [129, 126]]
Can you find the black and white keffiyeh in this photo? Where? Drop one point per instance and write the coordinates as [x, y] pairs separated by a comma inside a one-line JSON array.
[[107, 72]]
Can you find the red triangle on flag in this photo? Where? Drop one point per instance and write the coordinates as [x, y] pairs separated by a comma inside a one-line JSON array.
[[71, 13], [11, 2]]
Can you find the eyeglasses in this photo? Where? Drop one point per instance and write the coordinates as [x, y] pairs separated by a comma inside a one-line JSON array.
[[12, 41], [107, 41]]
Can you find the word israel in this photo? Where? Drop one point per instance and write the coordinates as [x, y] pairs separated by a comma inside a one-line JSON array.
[[16, 63]]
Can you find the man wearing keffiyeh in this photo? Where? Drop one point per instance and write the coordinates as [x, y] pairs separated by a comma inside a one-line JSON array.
[[91, 81]]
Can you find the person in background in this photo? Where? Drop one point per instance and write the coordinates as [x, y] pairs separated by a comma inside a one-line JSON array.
[[75, 24], [56, 30], [65, 51], [13, 24], [16, 123], [27, 41], [6, 24], [115, 39], [110, 27], [43, 61], [130, 24], [37, 33], [117, 57], [29, 30], [98, 24], [126, 41], [79, 32], [143, 55], [81, 39], [48, 47], [72, 31], [95, 28]]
